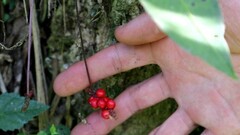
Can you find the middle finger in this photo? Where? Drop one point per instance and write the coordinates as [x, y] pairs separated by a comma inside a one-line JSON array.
[[110, 61]]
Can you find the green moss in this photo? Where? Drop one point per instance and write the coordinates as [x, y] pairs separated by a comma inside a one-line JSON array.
[[146, 120], [60, 40], [116, 84], [124, 10]]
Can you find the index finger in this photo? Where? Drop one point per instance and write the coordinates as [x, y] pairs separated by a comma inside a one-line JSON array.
[[140, 30], [112, 60]]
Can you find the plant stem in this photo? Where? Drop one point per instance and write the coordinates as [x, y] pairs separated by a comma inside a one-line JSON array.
[[42, 95], [29, 43], [81, 39], [25, 10]]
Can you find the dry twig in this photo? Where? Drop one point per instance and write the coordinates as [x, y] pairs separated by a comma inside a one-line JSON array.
[[40, 76], [2, 85]]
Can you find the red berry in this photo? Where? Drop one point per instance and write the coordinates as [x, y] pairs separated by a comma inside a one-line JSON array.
[[106, 99], [111, 104], [105, 114], [101, 93], [101, 103], [90, 99], [93, 102]]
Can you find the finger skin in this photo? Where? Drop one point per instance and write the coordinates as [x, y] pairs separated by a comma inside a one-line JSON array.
[[230, 10], [178, 123], [115, 59], [133, 99], [140, 30], [207, 132], [236, 63]]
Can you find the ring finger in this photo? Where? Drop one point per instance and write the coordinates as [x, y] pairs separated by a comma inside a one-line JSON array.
[[133, 99]]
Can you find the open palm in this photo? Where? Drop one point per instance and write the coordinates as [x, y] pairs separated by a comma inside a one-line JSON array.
[[204, 95]]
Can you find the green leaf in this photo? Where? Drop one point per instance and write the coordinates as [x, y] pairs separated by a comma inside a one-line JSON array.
[[42, 133], [6, 17], [20, 133], [63, 130], [55, 130], [195, 25], [4, 2], [11, 116]]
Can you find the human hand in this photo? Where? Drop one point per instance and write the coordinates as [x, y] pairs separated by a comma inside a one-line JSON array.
[[205, 96]]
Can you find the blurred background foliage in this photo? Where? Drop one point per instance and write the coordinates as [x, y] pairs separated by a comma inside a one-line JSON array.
[[59, 48]]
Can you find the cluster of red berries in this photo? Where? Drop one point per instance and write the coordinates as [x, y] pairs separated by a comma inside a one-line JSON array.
[[106, 104]]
